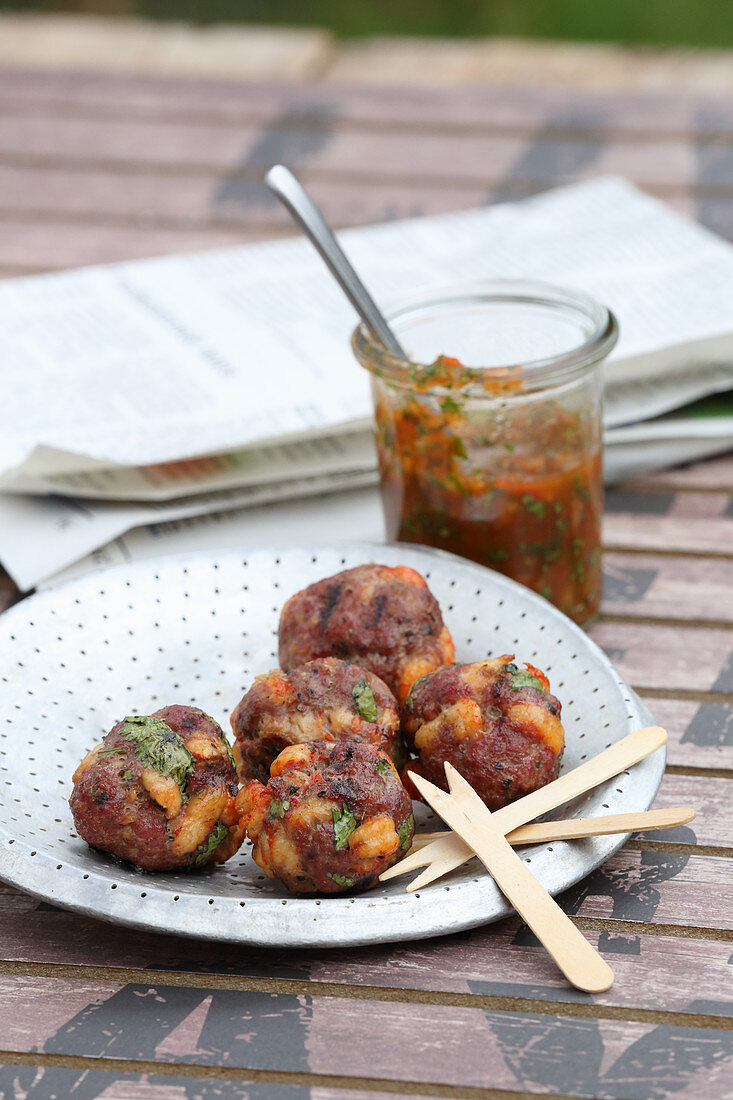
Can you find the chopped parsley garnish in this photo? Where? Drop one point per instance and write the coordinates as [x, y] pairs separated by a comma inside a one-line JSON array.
[[382, 766], [365, 701], [119, 751], [421, 376], [158, 747], [127, 775], [217, 834], [399, 756], [537, 507], [526, 680], [278, 807], [497, 555], [404, 832], [458, 447], [344, 824], [450, 405], [341, 880]]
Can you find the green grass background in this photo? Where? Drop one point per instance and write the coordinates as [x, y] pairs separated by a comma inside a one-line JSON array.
[[659, 22]]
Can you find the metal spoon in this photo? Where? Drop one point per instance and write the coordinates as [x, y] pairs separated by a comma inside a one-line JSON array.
[[284, 185]]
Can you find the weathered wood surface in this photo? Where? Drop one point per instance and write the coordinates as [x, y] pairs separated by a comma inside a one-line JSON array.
[[640, 909], [85, 153], [452, 158], [24, 1077], [96, 168], [667, 586], [540, 1052], [647, 114], [700, 734], [686, 658], [715, 474]]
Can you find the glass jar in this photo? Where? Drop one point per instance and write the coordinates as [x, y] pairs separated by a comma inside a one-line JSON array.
[[489, 436]]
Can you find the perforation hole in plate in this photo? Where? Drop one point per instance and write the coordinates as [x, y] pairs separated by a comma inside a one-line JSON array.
[[199, 651]]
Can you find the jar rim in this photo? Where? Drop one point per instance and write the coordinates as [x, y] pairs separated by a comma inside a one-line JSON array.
[[598, 318]]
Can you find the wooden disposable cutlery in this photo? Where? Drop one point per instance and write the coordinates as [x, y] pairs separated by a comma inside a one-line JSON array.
[[572, 828], [450, 851], [464, 811]]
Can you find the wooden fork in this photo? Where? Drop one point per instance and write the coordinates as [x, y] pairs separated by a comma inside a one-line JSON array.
[[574, 828], [464, 811], [448, 852]]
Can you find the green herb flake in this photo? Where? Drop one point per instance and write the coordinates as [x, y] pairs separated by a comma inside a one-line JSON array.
[[536, 507], [405, 832], [450, 405], [205, 850], [496, 555], [278, 807], [508, 447], [127, 776], [382, 767], [582, 490], [112, 752], [365, 701], [341, 880], [546, 591], [158, 747], [344, 824], [526, 680], [458, 447]]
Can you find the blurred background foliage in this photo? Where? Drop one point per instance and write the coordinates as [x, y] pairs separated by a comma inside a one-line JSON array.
[[654, 22]]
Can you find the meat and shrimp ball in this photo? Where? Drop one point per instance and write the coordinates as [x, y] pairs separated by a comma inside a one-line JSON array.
[[332, 817], [322, 700], [496, 723], [384, 618], [160, 791]]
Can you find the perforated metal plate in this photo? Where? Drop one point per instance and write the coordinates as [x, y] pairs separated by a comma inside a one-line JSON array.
[[196, 629]]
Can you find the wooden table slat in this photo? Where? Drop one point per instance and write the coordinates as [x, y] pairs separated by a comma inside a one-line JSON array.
[[667, 586], [451, 158], [700, 734], [637, 893], [539, 1052], [686, 658], [649, 114]]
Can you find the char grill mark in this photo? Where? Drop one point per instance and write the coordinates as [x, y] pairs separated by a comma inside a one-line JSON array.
[[380, 603], [332, 598]]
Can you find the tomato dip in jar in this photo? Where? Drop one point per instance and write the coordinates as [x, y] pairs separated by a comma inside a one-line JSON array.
[[489, 435]]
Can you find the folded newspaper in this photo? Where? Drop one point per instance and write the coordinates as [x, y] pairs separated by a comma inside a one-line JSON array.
[[184, 385]]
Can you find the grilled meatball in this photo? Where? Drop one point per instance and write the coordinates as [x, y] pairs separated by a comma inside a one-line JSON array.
[[322, 700], [383, 618], [496, 723], [332, 817], [160, 791]]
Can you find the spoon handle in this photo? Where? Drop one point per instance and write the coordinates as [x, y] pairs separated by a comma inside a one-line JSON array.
[[291, 194]]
